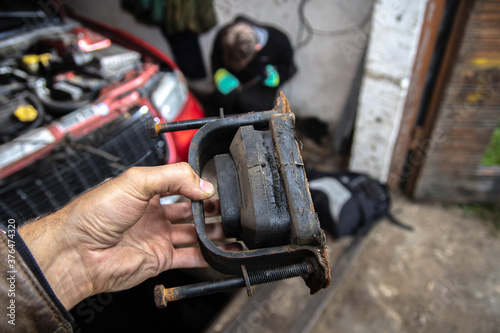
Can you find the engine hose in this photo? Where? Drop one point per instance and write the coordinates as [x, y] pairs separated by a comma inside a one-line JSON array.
[[60, 108]]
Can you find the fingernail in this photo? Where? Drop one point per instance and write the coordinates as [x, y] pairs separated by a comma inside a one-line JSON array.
[[206, 186]]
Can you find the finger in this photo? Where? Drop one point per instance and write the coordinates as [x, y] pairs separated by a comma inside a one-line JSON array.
[[177, 212], [211, 207], [185, 234], [191, 257], [183, 211], [145, 182], [188, 257], [233, 247]]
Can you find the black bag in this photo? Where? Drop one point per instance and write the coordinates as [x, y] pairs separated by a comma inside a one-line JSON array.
[[349, 203]]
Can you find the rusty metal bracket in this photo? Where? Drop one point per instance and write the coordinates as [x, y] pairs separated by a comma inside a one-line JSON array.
[[256, 155]]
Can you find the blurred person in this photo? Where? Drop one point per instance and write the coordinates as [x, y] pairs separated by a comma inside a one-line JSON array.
[[249, 63]]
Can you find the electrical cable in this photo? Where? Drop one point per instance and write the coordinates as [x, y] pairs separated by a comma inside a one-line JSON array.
[[306, 26]]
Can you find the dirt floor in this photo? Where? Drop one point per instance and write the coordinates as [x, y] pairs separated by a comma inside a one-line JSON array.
[[443, 277]]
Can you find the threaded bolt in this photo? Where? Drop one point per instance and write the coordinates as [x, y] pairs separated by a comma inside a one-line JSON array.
[[163, 295], [280, 273]]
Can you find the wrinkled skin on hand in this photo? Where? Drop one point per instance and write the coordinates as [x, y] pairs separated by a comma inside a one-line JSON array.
[[117, 235]]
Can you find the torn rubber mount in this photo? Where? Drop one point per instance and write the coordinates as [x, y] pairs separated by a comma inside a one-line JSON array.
[[273, 212]]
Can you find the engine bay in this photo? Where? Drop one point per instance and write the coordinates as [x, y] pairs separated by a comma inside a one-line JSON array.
[[46, 77], [73, 109]]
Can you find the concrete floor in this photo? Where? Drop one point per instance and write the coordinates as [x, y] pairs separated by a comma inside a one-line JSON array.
[[443, 277]]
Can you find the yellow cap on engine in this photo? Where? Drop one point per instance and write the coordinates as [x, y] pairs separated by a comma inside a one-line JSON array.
[[31, 61], [45, 58], [26, 113]]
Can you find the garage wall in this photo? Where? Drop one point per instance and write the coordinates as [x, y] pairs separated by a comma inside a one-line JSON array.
[[326, 64], [395, 33]]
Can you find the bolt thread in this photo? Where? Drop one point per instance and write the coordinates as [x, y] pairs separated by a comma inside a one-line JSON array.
[[280, 273]]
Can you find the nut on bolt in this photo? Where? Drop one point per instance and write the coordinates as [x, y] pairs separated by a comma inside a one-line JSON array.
[[153, 129]]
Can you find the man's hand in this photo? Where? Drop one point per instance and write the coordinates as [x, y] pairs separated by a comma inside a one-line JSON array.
[[272, 77], [117, 235], [225, 81]]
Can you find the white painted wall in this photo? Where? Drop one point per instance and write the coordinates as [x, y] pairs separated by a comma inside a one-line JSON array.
[[395, 32], [326, 65]]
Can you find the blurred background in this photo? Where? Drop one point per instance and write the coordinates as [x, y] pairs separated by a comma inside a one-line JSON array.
[[406, 92], [326, 61]]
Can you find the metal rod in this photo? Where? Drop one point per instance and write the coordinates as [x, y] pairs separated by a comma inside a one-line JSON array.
[[155, 129], [163, 295]]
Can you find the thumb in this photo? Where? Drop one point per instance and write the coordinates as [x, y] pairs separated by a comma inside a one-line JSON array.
[[146, 182]]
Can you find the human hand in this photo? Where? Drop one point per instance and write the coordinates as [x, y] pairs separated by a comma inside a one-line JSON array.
[[225, 81], [117, 235], [272, 77]]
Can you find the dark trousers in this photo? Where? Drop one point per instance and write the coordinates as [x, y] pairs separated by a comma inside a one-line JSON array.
[[187, 53]]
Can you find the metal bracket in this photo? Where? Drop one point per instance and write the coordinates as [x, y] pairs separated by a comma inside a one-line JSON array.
[[300, 246]]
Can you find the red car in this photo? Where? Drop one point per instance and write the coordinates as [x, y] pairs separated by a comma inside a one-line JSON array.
[[75, 97]]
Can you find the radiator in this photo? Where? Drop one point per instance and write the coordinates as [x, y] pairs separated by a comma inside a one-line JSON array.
[[79, 165]]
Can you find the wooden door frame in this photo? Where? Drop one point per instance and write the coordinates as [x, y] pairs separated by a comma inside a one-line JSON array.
[[410, 144]]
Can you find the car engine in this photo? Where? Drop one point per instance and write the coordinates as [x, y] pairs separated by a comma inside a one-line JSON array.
[[73, 112]]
